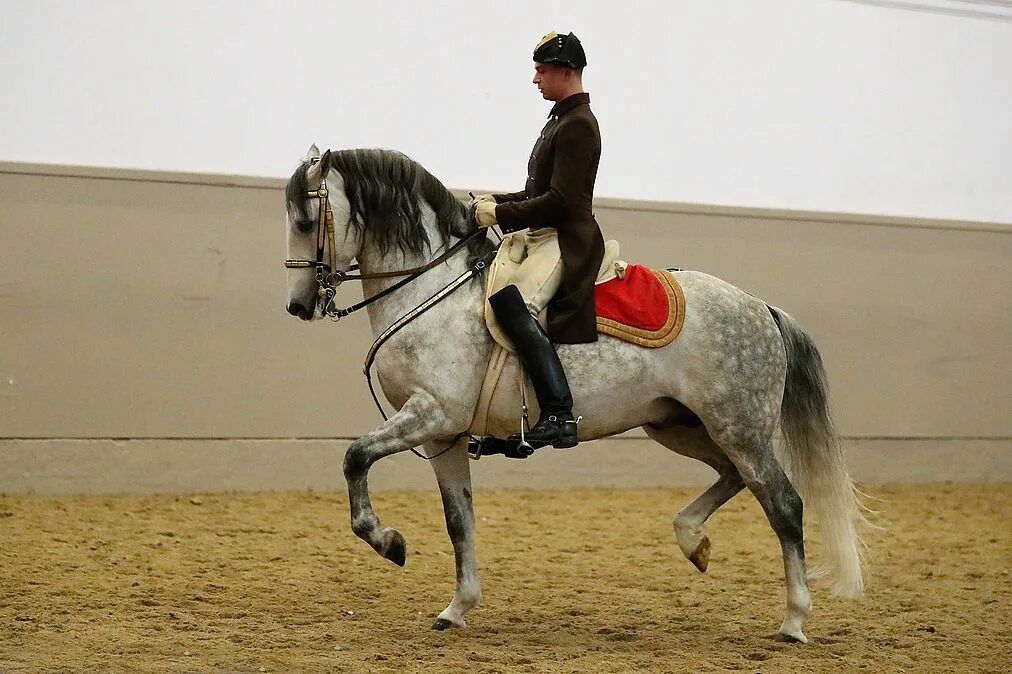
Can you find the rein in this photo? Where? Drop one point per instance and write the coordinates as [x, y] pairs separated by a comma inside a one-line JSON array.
[[401, 322], [336, 314]]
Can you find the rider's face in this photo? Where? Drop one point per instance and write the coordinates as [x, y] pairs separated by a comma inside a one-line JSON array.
[[551, 80]]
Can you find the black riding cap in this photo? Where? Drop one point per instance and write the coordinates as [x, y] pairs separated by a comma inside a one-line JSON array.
[[561, 50]]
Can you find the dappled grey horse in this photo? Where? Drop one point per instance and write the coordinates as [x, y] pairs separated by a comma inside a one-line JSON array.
[[715, 394]]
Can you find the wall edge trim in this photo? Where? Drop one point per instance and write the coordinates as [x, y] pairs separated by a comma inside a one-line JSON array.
[[604, 203]]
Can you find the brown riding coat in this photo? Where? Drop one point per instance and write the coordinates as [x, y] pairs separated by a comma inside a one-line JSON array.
[[559, 193]]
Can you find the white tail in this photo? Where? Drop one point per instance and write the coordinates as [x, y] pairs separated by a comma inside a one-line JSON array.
[[814, 461]]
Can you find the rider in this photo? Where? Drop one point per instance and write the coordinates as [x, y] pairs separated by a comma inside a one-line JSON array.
[[556, 202]]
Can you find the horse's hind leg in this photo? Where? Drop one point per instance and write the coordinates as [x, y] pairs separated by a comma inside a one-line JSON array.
[[695, 443], [766, 480], [453, 473]]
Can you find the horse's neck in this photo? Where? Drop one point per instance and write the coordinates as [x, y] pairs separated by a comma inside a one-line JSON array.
[[385, 311]]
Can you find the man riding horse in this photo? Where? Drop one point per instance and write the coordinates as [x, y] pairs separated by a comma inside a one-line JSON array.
[[556, 207], [740, 368]]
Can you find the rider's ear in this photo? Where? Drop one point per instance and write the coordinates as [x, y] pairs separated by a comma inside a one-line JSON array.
[[325, 163], [312, 153]]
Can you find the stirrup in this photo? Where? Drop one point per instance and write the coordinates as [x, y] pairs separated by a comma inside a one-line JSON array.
[[489, 445], [523, 445], [511, 448]]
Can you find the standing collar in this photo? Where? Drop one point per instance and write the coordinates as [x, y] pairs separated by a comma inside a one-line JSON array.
[[567, 104]]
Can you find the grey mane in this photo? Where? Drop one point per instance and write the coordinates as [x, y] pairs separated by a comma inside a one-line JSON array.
[[383, 189]]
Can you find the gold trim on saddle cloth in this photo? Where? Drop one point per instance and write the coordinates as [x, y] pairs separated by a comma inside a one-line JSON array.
[[652, 339]]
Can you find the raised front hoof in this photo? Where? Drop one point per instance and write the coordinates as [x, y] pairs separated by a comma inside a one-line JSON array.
[[700, 557], [792, 637], [394, 547]]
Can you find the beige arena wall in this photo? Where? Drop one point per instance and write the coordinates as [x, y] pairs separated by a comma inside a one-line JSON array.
[[144, 343]]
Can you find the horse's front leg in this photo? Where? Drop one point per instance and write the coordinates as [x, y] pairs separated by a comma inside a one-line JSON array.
[[418, 421], [453, 473]]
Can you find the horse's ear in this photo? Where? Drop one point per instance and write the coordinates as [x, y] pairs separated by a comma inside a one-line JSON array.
[[313, 153], [325, 163]]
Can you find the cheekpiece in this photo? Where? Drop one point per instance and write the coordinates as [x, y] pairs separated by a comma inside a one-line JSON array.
[[561, 50]]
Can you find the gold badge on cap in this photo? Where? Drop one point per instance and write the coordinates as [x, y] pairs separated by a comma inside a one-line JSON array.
[[547, 38]]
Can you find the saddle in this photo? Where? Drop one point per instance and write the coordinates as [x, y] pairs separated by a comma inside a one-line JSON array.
[[634, 303], [504, 269]]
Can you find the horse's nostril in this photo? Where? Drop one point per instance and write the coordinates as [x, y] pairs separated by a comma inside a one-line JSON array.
[[296, 309]]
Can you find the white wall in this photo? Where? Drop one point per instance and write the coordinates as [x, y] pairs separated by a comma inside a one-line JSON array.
[[811, 104]]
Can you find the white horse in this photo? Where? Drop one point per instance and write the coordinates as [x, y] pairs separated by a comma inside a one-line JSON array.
[[715, 394]]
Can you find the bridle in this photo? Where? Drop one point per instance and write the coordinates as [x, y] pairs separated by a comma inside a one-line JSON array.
[[329, 277], [324, 272]]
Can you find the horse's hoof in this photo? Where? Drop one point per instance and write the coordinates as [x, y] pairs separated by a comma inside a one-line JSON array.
[[701, 557], [797, 637], [442, 624], [394, 547]]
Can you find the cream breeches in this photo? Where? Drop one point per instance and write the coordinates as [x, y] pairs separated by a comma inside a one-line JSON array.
[[540, 272]]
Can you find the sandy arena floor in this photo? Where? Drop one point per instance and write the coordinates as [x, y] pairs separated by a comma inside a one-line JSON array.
[[573, 581]]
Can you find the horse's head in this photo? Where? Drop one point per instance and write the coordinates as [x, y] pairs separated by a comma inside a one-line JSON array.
[[312, 254]]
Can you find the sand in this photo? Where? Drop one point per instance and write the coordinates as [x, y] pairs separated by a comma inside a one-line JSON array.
[[573, 581]]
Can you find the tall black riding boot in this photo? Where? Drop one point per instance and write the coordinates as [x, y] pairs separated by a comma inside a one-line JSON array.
[[555, 425]]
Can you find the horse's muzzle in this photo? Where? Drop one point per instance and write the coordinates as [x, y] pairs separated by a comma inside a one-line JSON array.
[[296, 308]]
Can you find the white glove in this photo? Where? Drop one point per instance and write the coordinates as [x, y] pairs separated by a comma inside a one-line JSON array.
[[480, 198], [485, 213]]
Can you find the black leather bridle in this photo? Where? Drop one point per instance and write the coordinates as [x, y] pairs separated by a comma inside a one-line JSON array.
[[324, 272]]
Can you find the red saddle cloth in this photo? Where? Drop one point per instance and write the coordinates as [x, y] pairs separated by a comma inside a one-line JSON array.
[[646, 307]]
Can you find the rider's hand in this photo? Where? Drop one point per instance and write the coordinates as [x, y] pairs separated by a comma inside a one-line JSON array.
[[484, 213], [480, 198]]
